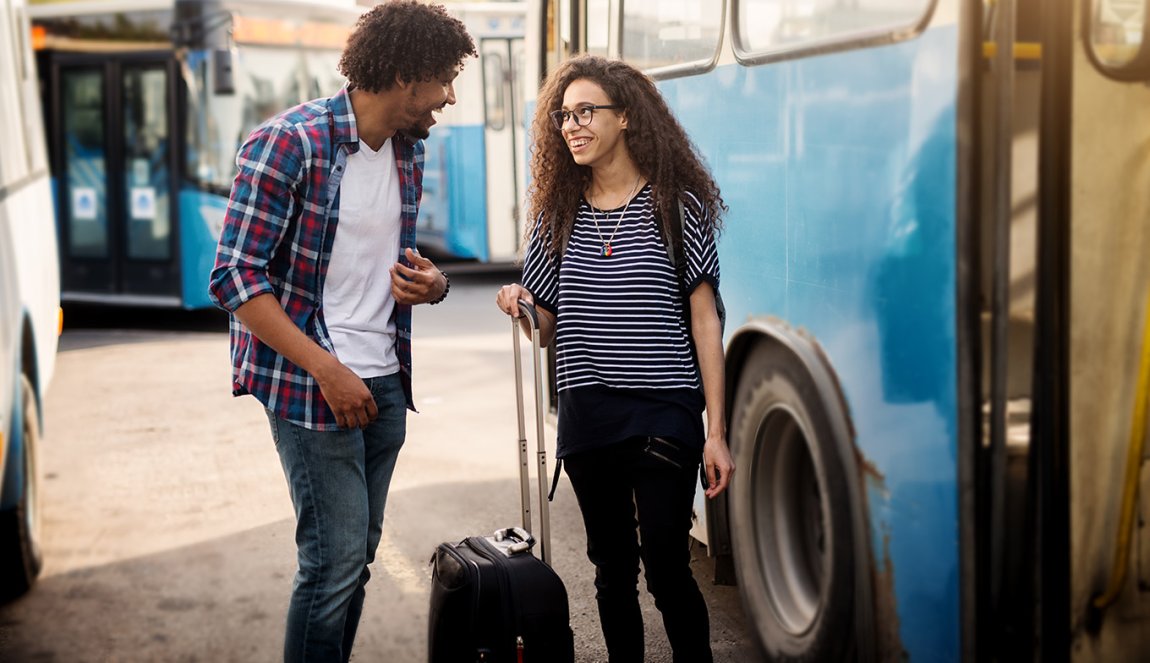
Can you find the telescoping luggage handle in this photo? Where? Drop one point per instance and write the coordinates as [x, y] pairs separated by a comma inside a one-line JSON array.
[[528, 312]]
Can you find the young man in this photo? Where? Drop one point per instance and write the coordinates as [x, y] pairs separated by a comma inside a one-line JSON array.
[[317, 266]]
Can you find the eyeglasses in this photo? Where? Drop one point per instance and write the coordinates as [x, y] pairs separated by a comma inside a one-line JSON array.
[[582, 115]]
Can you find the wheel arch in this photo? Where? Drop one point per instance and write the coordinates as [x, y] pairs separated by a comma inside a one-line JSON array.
[[807, 351], [12, 477], [30, 362]]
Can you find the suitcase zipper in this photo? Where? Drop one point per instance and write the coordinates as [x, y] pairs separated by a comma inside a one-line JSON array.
[[498, 561], [466, 563]]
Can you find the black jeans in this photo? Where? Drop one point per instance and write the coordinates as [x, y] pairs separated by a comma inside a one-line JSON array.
[[653, 479]]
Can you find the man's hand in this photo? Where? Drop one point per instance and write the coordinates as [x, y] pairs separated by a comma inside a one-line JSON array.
[[346, 394], [418, 284]]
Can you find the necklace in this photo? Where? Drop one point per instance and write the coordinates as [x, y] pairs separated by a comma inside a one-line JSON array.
[[607, 250]]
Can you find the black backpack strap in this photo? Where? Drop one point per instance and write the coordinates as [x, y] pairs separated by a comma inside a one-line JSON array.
[[562, 250], [676, 251], [672, 235], [675, 245], [555, 479]]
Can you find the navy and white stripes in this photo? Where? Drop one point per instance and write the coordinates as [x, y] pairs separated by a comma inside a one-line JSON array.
[[620, 318]]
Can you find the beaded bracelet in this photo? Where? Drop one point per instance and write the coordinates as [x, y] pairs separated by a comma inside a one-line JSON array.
[[445, 290]]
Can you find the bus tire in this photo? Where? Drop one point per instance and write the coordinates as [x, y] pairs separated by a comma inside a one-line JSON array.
[[20, 552], [791, 531]]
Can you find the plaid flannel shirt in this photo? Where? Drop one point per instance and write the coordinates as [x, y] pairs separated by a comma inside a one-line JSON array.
[[277, 238]]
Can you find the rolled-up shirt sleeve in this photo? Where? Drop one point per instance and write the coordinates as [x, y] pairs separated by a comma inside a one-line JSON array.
[[262, 203]]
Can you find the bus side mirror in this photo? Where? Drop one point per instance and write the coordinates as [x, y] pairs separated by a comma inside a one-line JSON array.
[[222, 73]]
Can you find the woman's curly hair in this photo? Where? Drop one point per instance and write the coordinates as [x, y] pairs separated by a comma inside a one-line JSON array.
[[405, 39], [657, 143]]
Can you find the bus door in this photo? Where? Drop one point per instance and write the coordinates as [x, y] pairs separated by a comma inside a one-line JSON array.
[[112, 139], [503, 135]]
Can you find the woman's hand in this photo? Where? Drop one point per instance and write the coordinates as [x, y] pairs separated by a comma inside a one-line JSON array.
[[508, 299], [719, 465]]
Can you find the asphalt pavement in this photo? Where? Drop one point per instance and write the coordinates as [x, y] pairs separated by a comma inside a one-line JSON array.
[[168, 532]]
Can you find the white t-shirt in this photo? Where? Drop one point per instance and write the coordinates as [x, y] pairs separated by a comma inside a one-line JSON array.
[[357, 302]]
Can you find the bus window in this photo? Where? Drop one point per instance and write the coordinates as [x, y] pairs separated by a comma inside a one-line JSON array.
[[671, 35], [600, 19], [146, 171], [1116, 35], [323, 68], [268, 80], [25, 77], [85, 156], [494, 99], [764, 27], [14, 156]]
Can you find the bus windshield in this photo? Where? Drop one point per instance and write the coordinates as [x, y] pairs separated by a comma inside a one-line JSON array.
[[268, 80], [148, 102]]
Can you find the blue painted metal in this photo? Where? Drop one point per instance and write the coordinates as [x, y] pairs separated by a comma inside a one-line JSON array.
[[453, 211], [839, 172], [201, 219]]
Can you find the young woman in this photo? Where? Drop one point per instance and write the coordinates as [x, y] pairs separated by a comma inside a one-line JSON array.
[[611, 164]]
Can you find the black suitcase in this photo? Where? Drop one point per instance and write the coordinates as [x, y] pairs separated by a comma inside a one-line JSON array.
[[492, 600]]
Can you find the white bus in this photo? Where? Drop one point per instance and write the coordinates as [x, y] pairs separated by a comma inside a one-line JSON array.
[[29, 300], [475, 160]]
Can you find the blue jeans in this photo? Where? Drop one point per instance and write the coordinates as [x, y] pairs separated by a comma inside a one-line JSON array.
[[338, 482]]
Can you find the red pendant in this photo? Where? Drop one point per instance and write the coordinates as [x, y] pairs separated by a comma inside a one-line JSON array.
[[607, 250]]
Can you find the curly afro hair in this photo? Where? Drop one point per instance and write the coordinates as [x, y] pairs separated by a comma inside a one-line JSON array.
[[655, 140], [405, 39]]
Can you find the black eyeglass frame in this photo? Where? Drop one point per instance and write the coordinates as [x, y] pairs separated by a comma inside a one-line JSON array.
[[560, 117]]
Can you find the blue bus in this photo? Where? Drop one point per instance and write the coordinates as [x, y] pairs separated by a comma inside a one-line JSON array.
[[934, 274], [147, 103], [29, 302]]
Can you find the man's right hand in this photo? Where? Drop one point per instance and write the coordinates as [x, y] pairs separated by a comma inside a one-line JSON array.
[[346, 394]]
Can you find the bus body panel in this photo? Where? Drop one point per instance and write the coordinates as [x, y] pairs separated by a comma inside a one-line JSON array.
[[9, 351], [839, 172], [1109, 290], [202, 217], [29, 300], [38, 272], [453, 211]]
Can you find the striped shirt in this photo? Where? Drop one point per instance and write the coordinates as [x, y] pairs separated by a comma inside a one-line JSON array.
[[619, 318], [277, 238]]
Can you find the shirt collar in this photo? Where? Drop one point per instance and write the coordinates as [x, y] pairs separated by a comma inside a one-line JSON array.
[[343, 128], [343, 120]]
